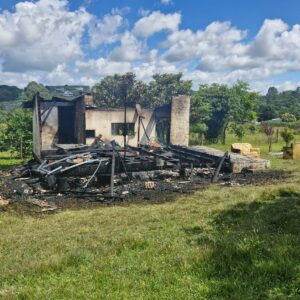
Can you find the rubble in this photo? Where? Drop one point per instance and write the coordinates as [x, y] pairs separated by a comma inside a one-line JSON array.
[[108, 173], [150, 185], [44, 205], [3, 202]]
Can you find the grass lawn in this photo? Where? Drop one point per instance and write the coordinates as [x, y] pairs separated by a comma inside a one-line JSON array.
[[220, 243], [8, 160]]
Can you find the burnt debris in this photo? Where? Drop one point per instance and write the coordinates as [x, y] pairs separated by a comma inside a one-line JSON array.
[[107, 172]]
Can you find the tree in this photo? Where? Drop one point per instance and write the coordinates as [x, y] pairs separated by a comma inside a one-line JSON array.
[[3, 145], [3, 120], [164, 86], [252, 128], [112, 90], [18, 133], [268, 129], [265, 110], [199, 115], [200, 129], [238, 131], [275, 104], [31, 89], [287, 135], [225, 105], [272, 93], [3, 113], [288, 117]]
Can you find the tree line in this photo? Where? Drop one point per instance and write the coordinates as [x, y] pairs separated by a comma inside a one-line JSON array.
[[213, 107], [275, 104]]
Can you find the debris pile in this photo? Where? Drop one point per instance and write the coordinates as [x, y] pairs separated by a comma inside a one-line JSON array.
[[106, 173]]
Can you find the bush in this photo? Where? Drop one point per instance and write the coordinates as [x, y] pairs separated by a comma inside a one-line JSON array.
[[3, 145], [268, 130], [295, 126], [198, 130], [252, 128], [287, 135], [238, 131], [18, 132], [288, 117]]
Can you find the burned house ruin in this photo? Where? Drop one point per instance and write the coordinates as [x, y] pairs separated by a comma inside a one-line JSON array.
[[105, 153], [62, 122]]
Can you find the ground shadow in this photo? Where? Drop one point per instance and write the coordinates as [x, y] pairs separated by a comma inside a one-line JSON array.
[[253, 249], [4, 167], [8, 157]]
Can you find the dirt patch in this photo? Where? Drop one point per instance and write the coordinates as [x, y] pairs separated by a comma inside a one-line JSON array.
[[261, 178]]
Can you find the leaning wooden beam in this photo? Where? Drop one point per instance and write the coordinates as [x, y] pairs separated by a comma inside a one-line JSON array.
[[112, 177], [216, 174]]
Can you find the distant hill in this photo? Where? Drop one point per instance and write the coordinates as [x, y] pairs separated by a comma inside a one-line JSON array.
[[9, 93]]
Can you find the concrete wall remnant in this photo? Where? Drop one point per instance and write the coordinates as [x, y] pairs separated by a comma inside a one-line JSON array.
[[180, 116], [79, 121], [101, 121]]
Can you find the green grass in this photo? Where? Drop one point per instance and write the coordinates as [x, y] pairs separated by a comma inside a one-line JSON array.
[[220, 243], [257, 140], [8, 159]]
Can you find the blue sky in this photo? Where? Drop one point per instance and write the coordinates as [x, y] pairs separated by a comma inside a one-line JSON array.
[[81, 41]]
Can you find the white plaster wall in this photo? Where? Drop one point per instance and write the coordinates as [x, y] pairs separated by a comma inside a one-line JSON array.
[[101, 120], [49, 129]]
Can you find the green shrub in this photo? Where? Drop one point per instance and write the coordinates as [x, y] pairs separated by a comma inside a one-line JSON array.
[[288, 117], [18, 132], [252, 128], [238, 131], [287, 135]]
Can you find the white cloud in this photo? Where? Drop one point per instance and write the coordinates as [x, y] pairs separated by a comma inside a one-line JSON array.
[[121, 11], [222, 55], [45, 41], [105, 31], [144, 70], [263, 44], [40, 35], [59, 75], [101, 67], [218, 39], [288, 85], [18, 79], [131, 49], [144, 12], [155, 22]]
